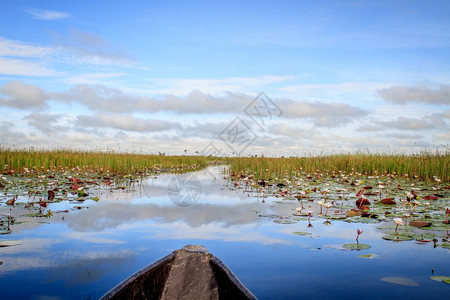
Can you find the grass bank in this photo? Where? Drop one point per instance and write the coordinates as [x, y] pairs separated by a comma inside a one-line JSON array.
[[41, 161], [425, 166]]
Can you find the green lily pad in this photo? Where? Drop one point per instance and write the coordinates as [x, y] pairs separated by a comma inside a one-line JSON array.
[[445, 245], [356, 246], [369, 256], [6, 243], [284, 221], [5, 231], [437, 227], [397, 237], [301, 233], [300, 214], [444, 279], [424, 236]]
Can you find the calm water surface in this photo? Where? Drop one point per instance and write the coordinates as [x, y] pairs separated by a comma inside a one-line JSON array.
[[91, 250]]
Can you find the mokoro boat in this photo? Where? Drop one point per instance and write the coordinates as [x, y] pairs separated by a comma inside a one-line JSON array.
[[188, 273]]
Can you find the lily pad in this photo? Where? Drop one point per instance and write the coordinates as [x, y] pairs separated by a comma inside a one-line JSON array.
[[400, 281], [6, 243], [356, 246], [5, 231], [397, 237], [369, 256], [300, 214], [424, 236], [301, 233], [445, 245], [352, 213], [284, 222], [444, 279]]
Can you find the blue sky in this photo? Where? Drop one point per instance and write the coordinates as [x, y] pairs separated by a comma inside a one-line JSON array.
[[165, 76]]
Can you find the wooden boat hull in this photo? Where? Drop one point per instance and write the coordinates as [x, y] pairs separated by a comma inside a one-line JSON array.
[[188, 273]]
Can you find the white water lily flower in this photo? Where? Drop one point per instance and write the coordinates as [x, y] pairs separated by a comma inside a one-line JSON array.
[[328, 205], [320, 203], [298, 209], [398, 221]]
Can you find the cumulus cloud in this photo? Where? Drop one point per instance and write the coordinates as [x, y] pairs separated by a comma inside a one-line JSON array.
[[433, 121], [106, 99], [23, 96], [409, 124], [45, 14], [101, 98], [402, 136], [45, 122], [124, 122], [442, 136], [8, 134], [322, 114], [416, 94], [293, 132]]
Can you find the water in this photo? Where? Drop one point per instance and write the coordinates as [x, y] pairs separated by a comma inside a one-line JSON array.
[[91, 250]]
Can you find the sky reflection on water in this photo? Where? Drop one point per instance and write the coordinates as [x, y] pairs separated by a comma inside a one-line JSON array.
[[93, 249]]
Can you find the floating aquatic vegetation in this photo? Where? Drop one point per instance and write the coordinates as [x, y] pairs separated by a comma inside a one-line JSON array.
[[356, 246], [369, 256], [301, 233], [400, 281], [9, 243], [444, 279], [397, 237], [284, 221], [404, 203]]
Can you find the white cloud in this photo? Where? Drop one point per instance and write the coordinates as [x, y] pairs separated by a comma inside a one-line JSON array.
[[22, 49], [322, 114], [23, 96], [332, 89], [106, 99], [433, 121], [416, 94], [42, 14], [29, 59], [80, 47], [47, 123], [409, 124], [8, 135], [10, 66], [127, 123], [442, 136]]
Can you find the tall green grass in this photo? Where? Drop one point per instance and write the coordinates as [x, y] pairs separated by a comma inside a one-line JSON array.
[[120, 163], [425, 166]]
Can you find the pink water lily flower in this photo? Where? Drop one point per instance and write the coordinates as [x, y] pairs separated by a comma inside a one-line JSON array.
[[358, 232]]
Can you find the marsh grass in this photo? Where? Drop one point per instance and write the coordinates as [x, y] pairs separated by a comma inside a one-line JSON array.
[[425, 166], [42, 161]]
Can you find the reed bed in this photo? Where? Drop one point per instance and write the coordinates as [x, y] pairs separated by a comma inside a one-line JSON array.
[[41, 161], [424, 166]]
